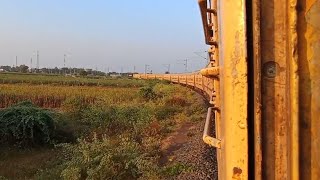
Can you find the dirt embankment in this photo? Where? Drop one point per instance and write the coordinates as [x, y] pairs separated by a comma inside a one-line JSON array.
[[185, 146]]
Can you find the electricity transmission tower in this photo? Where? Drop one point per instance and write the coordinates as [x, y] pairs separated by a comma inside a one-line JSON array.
[[146, 68], [168, 67], [64, 60]]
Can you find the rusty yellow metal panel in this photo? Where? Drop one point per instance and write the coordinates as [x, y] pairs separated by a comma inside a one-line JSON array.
[[309, 87], [256, 66], [275, 88], [290, 58], [291, 139], [233, 160], [293, 125]]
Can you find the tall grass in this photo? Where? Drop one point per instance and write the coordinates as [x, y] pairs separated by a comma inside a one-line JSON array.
[[36, 79], [119, 133], [48, 96]]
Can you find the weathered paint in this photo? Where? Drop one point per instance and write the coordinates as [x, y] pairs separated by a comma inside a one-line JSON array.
[[293, 125], [233, 78], [309, 87], [290, 99], [210, 71], [257, 118], [207, 138]]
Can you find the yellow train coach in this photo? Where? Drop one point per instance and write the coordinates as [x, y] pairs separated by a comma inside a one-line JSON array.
[[263, 84]]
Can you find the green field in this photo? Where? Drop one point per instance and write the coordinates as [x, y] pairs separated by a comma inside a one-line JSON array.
[[41, 79], [98, 132]]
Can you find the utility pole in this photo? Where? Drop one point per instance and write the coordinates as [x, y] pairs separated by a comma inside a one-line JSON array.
[[38, 60], [31, 65], [134, 69], [64, 60], [206, 58], [64, 63], [168, 67], [186, 64], [16, 61], [146, 66]]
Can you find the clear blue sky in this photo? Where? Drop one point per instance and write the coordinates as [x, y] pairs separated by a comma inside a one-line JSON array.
[[102, 33]]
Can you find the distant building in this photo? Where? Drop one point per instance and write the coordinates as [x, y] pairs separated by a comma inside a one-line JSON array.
[[114, 74], [130, 75]]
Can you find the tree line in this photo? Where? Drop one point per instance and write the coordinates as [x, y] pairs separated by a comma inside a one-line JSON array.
[[62, 71]]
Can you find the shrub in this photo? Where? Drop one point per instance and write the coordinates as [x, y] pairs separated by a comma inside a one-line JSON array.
[[113, 119], [25, 124], [175, 169], [103, 159], [165, 112], [71, 173], [148, 93], [75, 107], [65, 132], [132, 115], [176, 101]]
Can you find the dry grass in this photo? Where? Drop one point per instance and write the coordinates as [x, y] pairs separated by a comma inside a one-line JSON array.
[[104, 115], [47, 96]]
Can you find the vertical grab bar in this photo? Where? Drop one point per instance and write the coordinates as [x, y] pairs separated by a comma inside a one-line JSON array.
[[207, 138]]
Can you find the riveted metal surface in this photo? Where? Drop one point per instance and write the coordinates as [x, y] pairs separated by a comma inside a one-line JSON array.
[[290, 37], [275, 116]]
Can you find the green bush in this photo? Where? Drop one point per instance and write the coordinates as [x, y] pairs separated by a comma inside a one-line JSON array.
[[165, 112], [113, 119], [25, 124], [132, 115], [103, 159], [175, 169], [148, 93]]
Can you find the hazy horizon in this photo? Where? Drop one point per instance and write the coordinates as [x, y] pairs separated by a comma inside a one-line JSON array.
[[102, 34]]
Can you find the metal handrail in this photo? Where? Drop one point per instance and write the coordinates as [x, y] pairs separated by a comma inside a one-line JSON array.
[[211, 141]]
